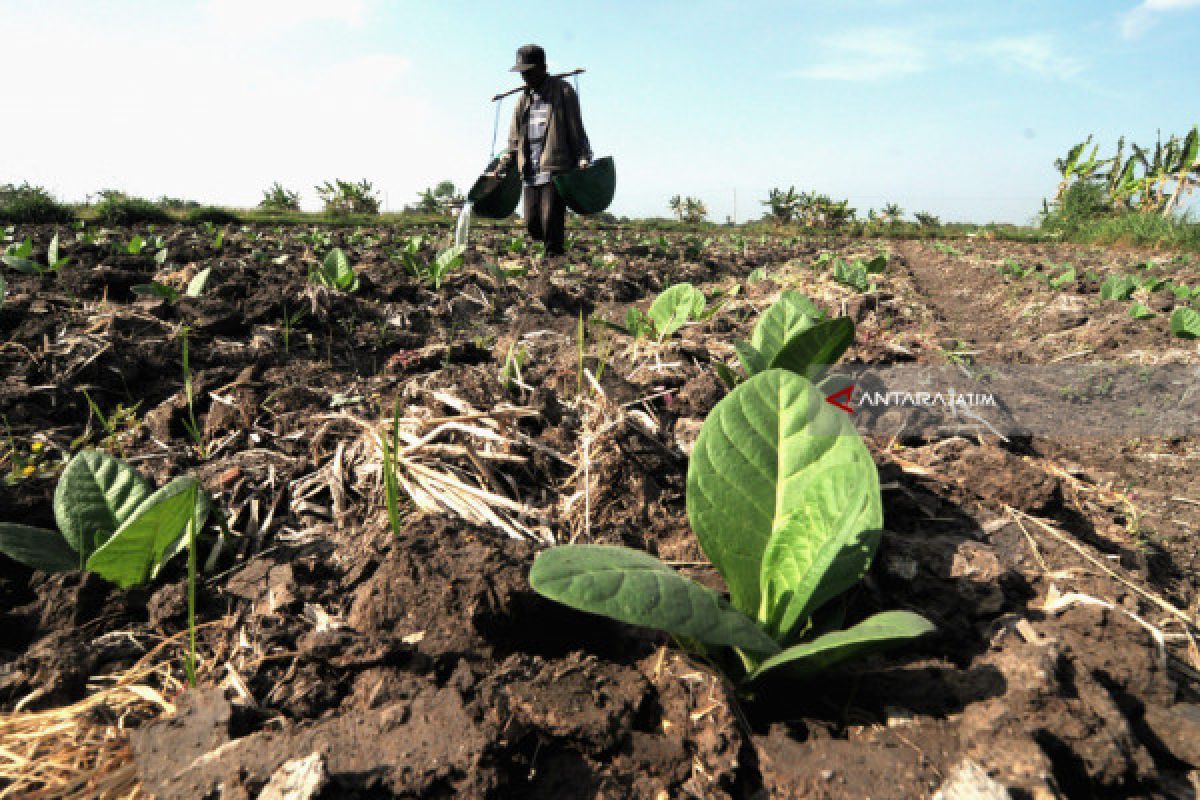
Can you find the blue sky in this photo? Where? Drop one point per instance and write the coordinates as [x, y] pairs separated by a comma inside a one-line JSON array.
[[957, 108]]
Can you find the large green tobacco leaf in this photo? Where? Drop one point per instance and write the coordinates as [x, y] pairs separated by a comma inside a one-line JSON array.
[[1185, 323], [674, 307], [757, 453], [634, 587], [822, 549], [130, 555], [881, 631], [37, 548], [810, 352], [787, 316], [96, 495]]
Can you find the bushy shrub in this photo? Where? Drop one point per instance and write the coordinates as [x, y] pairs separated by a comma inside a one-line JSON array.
[[176, 203], [118, 209], [344, 197], [1081, 203], [278, 198], [217, 216], [31, 205]]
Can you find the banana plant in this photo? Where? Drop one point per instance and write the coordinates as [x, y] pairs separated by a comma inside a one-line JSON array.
[[1075, 167], [1186, 169]]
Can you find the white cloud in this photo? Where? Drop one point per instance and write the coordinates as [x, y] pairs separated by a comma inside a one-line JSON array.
[[869, 54], [1037, 53], [1140, 19]]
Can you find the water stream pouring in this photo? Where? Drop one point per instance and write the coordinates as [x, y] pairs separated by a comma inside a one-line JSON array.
[[462, 228]]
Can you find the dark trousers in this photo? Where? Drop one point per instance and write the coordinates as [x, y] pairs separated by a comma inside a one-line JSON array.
[[546, 216]]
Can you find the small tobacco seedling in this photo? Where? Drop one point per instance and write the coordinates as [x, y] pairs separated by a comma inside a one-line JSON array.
[[445, 262], [334, 272], [784, 499], [793, 334], [195, 288], [20, 258], [110, 522], [1185, 323]]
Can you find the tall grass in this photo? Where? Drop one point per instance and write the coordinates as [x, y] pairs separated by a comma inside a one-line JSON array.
[[1148, 230]]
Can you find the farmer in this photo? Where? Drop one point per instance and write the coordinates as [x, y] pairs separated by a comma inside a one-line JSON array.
[[548, 139]]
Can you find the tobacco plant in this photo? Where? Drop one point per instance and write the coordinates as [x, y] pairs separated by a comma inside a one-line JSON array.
[[334, 272], [20, 258], [784, 499], [793, 334], [110, 522]]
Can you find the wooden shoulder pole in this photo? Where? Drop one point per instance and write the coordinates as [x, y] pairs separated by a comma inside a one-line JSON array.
[[502, 95]]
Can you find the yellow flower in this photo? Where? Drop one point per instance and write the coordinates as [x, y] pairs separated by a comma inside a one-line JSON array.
[[29, 470], [37, 446]]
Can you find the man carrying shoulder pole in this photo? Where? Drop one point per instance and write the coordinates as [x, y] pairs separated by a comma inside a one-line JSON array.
[[547, 139]]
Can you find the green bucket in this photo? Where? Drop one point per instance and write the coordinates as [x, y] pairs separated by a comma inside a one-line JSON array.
[[589, 190], [495, 197]]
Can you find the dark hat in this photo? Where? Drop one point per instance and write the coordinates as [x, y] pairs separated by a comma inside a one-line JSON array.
[[528, 57]]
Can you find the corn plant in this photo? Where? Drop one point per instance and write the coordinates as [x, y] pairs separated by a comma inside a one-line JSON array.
[[390, 444], [784, 499], [190, 424]]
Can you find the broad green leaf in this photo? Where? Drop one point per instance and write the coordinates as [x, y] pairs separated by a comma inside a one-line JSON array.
[[1062, 279], [96, 494], [752, 361], [810, 352], [757, 453], [130, 555], [204, 507], [886, 629], [877, 264], [37, 548], [1118, 287], [450, 257], [674, 307], [199, 282], [727, 376], [1139, 311], [790, 314], [635, 587], [21, 264], [1185, 323], [822, 549]]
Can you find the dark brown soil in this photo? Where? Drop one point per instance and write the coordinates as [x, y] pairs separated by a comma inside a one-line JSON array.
[[423, 665]]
